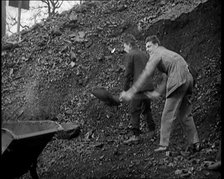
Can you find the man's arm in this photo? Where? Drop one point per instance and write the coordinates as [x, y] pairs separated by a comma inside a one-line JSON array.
[[147, 72], [128, 72], [162, 86]]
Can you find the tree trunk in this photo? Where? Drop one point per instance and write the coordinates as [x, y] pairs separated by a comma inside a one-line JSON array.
[[19, 16]]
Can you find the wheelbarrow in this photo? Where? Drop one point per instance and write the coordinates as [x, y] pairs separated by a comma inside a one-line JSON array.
[[22, 143]]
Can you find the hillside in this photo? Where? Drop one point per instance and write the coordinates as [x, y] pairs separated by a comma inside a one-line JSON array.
[[50, 75]]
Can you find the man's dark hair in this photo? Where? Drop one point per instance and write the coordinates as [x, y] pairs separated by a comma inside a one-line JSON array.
[[129, 39], [154, 39]]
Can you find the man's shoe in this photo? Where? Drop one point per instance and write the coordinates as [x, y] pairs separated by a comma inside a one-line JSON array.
[[196, 147], [133, 139], [191, 149], [160, 149], [215, 166]]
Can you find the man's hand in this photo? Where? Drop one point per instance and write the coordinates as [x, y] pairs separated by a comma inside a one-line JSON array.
[[126, 95], [121, 94], [152, 95]]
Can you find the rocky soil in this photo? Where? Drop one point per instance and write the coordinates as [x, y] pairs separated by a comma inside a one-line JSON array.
[[50, 73]]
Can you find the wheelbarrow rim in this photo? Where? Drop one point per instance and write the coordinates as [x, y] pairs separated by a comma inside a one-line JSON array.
[[10, 132], [59, 128]]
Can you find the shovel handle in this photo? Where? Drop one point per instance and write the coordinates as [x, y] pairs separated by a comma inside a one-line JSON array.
[[139, 96]]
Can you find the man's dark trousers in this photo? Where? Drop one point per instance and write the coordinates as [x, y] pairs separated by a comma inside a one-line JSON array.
[[141, 106]]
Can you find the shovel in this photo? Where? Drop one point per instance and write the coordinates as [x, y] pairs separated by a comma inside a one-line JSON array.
[[102, 94]]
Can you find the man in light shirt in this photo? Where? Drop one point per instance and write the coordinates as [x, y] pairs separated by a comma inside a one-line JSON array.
[[177, 86]]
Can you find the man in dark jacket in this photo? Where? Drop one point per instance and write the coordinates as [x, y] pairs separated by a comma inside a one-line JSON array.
[[140, 105]]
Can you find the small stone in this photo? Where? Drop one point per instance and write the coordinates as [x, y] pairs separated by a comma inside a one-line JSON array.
[[11, 72], [205, 172], [186, 174], [69, 111], [101, 158], [178, 172], [194, 161], [109, 57], [69, 131], [113, 50], [99, 145], [168, 153]]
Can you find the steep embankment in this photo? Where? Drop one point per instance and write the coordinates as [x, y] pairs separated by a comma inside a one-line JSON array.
[[53, 70]]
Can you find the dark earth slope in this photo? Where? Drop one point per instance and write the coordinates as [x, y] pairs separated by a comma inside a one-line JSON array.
[[51, 73]]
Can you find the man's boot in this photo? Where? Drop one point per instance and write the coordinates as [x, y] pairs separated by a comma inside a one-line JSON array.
[[132, 140], [215, 166]]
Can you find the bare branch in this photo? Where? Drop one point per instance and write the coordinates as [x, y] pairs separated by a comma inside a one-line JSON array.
[[8, 26], [24, 26], [12, 20], [52, 5], [58, 4], [45, 1], [38, 7]]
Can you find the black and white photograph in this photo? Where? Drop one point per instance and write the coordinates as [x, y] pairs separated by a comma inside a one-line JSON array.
[[111, 89]]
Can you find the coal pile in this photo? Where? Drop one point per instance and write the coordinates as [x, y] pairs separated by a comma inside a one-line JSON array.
[[51, 72]]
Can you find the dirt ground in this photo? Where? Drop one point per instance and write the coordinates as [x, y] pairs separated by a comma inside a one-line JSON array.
[[44, 84]]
